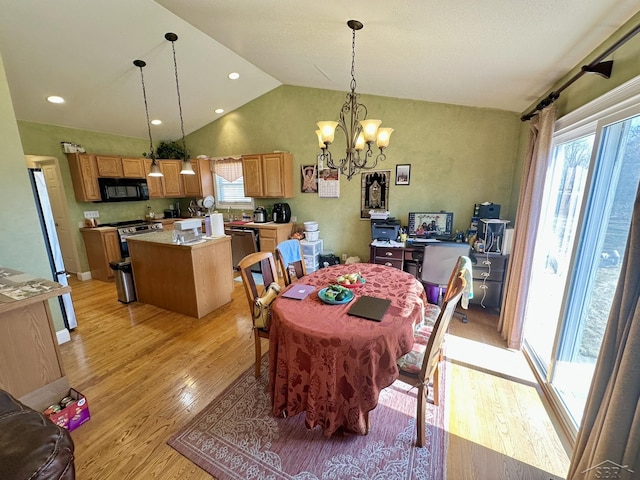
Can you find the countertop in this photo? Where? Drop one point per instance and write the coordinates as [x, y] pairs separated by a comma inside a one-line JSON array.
[[166, 238], [18, 289]]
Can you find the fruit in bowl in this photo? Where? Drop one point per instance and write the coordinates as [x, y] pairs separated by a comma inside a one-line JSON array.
[[350, 280]]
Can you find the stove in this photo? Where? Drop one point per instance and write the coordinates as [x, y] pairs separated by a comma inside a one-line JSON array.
[[133, 227]]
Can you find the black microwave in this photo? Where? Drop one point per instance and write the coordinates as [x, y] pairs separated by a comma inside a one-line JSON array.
[[123, 189]]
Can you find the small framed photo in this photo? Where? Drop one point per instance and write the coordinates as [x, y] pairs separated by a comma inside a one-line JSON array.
[[403, 174]]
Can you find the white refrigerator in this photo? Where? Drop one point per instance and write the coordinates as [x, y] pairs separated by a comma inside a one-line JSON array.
[[53, 246]]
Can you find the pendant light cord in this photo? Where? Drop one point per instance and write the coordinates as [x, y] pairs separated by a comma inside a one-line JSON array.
[[172, 39], [140, 64]]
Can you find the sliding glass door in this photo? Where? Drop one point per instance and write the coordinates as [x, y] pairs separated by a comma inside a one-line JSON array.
[[590, 190]]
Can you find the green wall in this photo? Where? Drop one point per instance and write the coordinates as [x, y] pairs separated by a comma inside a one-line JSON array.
[[458, 155], [21, 241], [39, 139]]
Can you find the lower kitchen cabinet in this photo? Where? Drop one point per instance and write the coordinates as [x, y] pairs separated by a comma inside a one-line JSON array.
[[272, 234], [102, 246]]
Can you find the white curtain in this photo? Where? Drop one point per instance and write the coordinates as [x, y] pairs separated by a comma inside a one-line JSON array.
[[229, 168], [511, 323], [608, 443]]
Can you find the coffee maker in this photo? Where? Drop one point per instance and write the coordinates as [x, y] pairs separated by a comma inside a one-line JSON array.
[[281, 213]]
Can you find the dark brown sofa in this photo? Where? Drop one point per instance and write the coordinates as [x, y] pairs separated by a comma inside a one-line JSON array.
[[31, 446]]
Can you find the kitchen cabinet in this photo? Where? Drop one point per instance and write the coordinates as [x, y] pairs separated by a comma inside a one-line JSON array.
[[199, 185], [102, 246], [271, 234], [171, 179], [109, 166], [133, 167], [84, 176], [268, 175], [170, 184]]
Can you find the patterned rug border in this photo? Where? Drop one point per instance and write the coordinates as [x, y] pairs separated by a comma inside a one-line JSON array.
[[246, 451]]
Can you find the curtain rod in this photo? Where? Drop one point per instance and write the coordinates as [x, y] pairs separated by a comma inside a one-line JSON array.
[[596, 66]]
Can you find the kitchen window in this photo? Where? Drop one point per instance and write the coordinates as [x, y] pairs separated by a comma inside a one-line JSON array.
[[229, 184]]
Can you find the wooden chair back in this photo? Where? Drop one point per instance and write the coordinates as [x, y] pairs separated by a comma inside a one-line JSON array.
[[252, 290], [269, 274], [299, 268]]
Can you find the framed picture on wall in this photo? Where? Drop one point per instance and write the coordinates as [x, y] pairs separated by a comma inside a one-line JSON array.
[[403, 174], [374, 192], [309, 178]]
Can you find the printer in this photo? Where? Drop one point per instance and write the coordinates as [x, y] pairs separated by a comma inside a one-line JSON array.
[[385, 229]]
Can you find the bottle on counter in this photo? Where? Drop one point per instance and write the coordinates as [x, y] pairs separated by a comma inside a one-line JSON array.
[[150, 213]]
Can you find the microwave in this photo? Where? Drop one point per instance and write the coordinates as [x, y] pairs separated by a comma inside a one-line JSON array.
[[123, 189]]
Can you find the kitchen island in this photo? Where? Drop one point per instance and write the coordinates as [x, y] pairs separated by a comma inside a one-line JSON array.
[[194, 279]]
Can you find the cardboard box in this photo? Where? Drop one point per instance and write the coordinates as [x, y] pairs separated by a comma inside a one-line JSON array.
[[75, 414]]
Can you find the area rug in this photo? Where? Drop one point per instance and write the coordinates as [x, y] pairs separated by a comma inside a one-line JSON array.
[[235, 437]]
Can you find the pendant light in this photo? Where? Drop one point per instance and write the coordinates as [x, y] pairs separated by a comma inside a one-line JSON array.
[[155, 169], [187, 169]]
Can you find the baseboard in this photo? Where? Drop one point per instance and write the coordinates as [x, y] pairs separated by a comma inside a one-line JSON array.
[[63, 336], [83, 276]]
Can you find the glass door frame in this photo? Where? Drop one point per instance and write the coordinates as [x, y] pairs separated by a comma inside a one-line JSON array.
[[615, 106]]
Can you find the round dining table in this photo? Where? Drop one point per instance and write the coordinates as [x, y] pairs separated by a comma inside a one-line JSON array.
[[332, 365]]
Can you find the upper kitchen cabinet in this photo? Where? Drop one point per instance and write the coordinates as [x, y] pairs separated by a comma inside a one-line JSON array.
[[84, 176], [268, 175], [154, 184], [109, 166], [133, 167], [200, 184], [170, 184]]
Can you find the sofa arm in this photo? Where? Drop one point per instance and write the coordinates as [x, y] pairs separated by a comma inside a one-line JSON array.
[[31, 445]]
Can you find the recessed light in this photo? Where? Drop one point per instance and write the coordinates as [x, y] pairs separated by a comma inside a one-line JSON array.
[[55, 99], [156, 122], [219, 110], [234, 75]]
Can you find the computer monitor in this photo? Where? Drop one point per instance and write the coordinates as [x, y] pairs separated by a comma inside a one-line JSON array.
[[430, 224]]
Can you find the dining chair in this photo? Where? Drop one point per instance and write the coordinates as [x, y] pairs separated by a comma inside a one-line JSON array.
[[291, 260], [269, 275], [421, 366]]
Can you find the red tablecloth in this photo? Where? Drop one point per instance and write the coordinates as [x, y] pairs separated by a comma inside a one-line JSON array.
[[332, 365]]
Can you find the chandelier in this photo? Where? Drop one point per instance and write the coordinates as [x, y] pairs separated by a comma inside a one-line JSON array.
[[359, 131], [187, 168], [155, 169]]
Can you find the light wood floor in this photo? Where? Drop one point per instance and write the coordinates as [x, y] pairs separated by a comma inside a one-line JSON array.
[[146, 372]]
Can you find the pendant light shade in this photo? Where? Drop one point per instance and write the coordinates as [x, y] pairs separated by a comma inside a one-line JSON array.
[[187, 168], [155, 169]]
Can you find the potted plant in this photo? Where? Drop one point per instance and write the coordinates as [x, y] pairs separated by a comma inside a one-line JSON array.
[[170, 149]]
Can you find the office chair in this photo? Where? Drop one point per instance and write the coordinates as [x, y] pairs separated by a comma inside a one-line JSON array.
[[438, 261]]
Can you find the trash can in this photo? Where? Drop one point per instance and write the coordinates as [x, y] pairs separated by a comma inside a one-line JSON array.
[[124, 280]]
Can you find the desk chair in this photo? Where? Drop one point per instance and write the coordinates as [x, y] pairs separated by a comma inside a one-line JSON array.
[[421, 365], [438, 261], [291, 260], [269, 274]]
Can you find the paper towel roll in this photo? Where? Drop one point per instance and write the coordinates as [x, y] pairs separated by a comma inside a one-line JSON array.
[[217, 225]]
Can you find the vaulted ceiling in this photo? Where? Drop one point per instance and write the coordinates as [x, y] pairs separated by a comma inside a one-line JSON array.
[[488, 54]]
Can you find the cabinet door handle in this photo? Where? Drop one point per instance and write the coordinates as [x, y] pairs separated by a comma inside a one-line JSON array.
[[389, 264], [389, 254]]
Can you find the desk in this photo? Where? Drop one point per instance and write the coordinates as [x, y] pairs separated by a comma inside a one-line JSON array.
[[332, 366]]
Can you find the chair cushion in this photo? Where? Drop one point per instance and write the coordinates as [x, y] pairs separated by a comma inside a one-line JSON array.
[[431, 312], [412, 362]]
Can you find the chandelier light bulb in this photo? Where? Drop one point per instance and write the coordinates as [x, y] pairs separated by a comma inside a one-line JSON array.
[[360, 143], [383, 137], [328, 130], [370, 129]]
